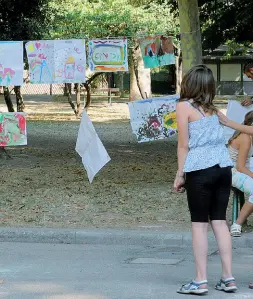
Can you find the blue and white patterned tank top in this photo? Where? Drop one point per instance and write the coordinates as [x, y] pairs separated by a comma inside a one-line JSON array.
[[206, 145]]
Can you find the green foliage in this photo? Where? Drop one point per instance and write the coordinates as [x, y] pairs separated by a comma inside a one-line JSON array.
[[110, 18], [226, 22], [22, 19]]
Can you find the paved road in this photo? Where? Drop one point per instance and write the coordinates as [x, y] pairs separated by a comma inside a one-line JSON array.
[[109, 272]]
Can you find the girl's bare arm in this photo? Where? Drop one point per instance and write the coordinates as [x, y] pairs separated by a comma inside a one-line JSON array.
[[234, 125], [244, 148], [182, 113]]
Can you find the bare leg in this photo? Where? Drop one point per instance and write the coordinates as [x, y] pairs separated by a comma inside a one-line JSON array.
[[223, 238], [200, 249], [246, 210]]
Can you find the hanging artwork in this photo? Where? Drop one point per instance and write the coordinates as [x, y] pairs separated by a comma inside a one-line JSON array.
[[157, 51], [56, 61], [13, 129], [153, 119], [108, 55], [11, 63]]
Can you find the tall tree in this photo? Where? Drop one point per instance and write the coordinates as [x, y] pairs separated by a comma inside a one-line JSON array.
[[190, 33], [111, 18], [226, 22]]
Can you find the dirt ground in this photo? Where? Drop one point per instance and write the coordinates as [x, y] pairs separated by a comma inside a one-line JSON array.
[[45, 184]]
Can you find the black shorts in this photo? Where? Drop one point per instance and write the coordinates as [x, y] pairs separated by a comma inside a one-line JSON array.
[[208, 193]]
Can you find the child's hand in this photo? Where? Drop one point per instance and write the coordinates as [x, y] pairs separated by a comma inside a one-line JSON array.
[[179, 184], [247, 102], [222, 118]]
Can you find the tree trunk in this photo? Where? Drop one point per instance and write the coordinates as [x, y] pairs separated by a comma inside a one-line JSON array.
[[88, 96], [134, 90], [87, 87], [7, 98], [68, 86], [179, 71], [190, 33], [143, 77], [120, 83], [65, 90], [19, 99], [78, 100]]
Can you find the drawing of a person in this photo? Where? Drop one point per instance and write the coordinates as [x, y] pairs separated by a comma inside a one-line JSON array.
[[167, 45], [8, 73], [151, 50], [70, 68]]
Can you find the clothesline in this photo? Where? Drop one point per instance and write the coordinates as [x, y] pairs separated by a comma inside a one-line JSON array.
[[65, 61], [137, 35]]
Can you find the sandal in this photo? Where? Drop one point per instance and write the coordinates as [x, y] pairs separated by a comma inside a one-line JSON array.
[[236, 230], [224, 285], [194, 288]]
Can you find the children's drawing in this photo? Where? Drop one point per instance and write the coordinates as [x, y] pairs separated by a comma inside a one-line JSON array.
[[157, 51], [153, 119], [108, 55], [13, 129], [56, 61], [11, 63]]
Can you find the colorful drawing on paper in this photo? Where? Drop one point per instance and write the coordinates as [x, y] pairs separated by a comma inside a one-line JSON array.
[[11, 63], [157, 51], [108, 55], [56, 61], [153, 119], [13, 129]]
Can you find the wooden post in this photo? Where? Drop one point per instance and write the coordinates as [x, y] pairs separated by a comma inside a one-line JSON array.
[[110, 96]]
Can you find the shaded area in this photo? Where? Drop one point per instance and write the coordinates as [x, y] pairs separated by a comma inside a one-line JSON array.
[[45, 183]]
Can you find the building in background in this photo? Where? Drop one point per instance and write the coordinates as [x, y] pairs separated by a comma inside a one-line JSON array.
[[229, 73]]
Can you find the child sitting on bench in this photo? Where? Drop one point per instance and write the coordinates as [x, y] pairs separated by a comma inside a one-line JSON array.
[[241, 150]]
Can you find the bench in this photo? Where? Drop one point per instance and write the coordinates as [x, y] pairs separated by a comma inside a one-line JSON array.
[[238, 198], [110, 91]]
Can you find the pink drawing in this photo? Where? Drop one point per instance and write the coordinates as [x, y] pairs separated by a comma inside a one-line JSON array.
[[80, 68], [42, 56], [6, 73], [77, 50], [37, 45]]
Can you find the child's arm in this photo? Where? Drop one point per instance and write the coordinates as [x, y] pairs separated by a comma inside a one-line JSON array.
[[234, 125], [182, 114], [244, 148]]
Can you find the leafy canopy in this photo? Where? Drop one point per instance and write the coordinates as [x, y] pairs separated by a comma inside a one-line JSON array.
[[110, 18], [22, 19]]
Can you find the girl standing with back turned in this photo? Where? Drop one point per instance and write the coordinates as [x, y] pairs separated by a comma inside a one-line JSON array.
[[204, 169]]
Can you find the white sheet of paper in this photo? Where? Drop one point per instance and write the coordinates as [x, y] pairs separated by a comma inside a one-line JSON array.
[[90, 148], [235, 112], [11, 63]]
